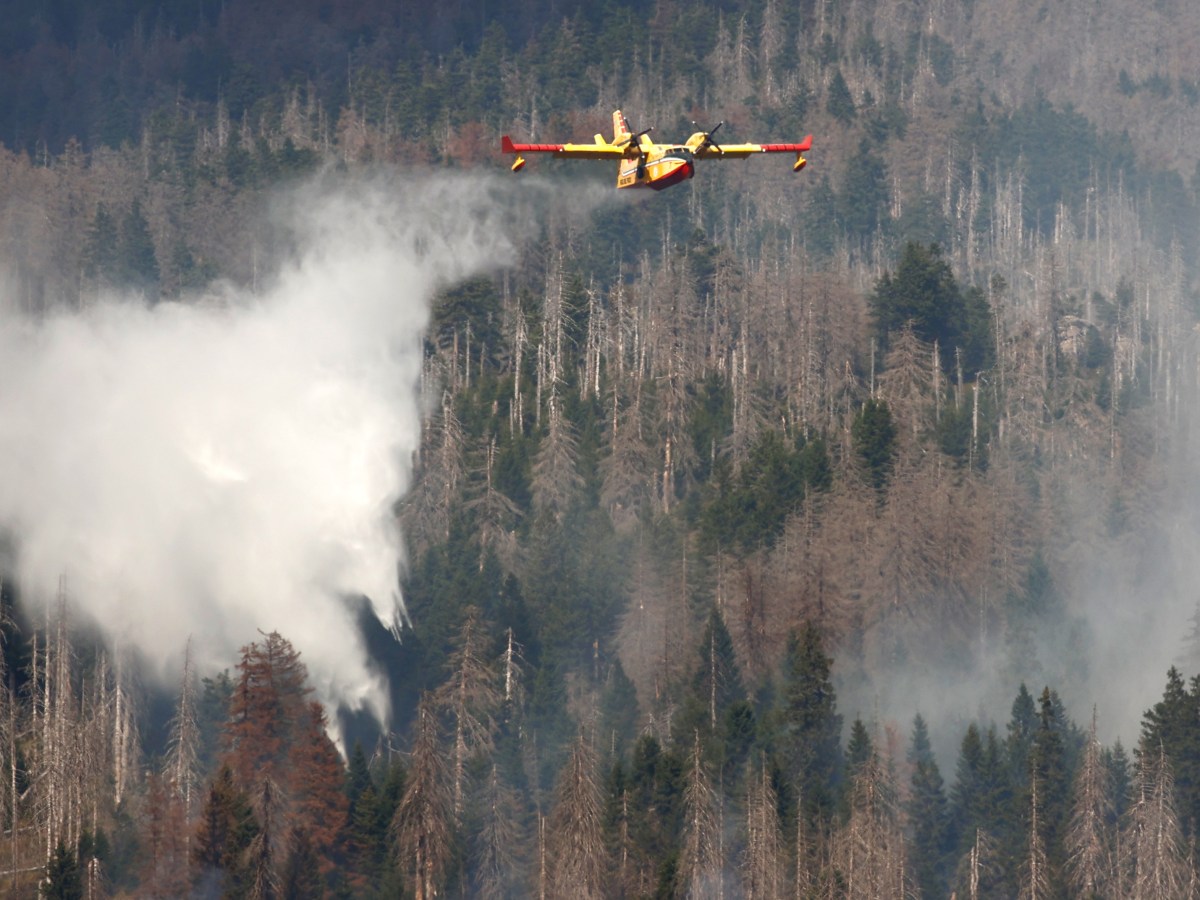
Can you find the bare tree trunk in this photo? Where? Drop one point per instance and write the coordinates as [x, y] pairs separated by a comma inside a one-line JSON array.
[[1088, 844]]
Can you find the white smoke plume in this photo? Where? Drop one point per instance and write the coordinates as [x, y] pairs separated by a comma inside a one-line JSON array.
[[214, 468]]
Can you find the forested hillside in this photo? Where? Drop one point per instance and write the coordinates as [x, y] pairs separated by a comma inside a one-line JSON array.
[[821, 535]]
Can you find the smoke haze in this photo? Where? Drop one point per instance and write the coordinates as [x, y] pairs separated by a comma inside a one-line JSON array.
[[220, 467]]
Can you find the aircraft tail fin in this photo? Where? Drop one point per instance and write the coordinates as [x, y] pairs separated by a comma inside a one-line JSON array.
[[620, 127]]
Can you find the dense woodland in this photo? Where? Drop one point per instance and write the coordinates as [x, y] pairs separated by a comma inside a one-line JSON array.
[[724, 492]]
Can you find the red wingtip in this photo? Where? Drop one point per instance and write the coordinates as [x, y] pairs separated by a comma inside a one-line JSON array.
[[806, 144], [506, 145]]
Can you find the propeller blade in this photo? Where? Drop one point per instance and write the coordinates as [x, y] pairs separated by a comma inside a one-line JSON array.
[[635, 140], [708, 137]]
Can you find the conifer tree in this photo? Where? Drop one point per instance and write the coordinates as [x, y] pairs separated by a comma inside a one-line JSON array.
[[874, 434], [716, 686], [423, 826], [1160, 867], [183, 742], [976, 874], [981, 797], [268, 704], [576, 842], [1035, 880], [1173, 726], [471, 697], [226, 830], [64, 881], [812, 726], [263, 850], [863, 200], [923, 291], [319, 806], [762, 859], [700, 863], [1089, 843], [1049, 772], [928, 814], [869, 850], [859, 749], [1022, 731], [556, 480], [498, 841], [138, 262], [102, 249], [301, 876]]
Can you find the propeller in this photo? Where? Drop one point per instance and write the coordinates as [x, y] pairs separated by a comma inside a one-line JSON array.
[[708, 139], [635, 140]]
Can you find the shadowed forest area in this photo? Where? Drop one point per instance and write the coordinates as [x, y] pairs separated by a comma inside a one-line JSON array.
[[822, 536]]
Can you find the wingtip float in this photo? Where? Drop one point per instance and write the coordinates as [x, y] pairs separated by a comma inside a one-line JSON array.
[[643, 163]]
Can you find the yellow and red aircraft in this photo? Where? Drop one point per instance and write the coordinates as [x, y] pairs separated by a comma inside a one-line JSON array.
[[643, 163]]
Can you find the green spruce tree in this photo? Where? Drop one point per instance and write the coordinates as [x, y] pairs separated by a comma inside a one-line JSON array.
[[810, 743], [928, 815]]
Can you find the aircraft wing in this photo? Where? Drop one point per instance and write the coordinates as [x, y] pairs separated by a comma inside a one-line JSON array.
[[741, 151], [575, 151]]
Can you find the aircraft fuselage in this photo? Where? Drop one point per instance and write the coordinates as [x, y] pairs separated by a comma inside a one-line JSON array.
[[661, 168]]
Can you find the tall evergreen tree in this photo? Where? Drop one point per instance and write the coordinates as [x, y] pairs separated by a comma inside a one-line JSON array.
[[924, 291], [863, 200], [1050, 775], [1173, 724], [874, 434], [101, 253], [226, 830], [928, 814], [811, 724], [64, 881], [138, 262], [1022, 730], [715, 687]]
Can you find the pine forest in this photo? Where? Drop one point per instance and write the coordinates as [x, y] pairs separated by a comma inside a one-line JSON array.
[[810, 535]]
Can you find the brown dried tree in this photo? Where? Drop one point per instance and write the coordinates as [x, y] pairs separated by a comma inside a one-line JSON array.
[[575, 843], [471, 698], [762, 859], [1088, 838], [700, 863], [423, 826]]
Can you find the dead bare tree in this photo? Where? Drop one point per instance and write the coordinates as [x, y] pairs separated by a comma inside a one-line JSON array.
[[422, 828], [578, 859], [183, 741], [1088, 841], [556, 479], [700, 863], [869, 851], [1035, 871], [498, 863], [762, 861], [470, 698], [1153, 833]]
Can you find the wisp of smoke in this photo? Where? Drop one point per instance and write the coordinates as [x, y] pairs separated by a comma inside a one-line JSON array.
[[216, 468]]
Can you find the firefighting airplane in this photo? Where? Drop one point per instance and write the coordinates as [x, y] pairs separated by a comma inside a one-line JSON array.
[[645, 164]]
